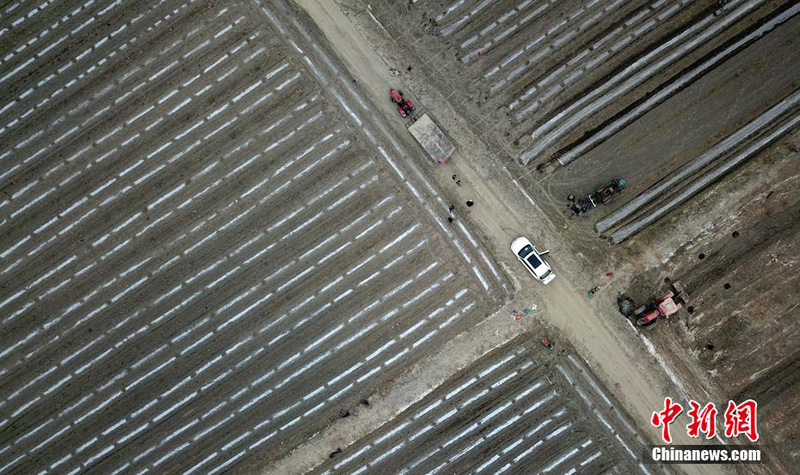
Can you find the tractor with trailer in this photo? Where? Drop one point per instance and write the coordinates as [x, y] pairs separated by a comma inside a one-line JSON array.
[[661, 307], [423, 128]]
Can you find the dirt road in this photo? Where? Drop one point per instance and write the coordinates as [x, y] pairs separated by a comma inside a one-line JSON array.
[[501, 213]]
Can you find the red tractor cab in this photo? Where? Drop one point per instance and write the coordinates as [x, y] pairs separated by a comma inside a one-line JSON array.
[[648, 315], [665, 306], [404, 106]]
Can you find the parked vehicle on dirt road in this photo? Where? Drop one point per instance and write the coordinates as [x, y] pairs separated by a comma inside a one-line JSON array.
[[532, 259], [423, 129], [601, 196], [664, 306]]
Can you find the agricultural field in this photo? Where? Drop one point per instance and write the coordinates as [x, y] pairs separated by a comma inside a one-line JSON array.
[[517, 410], [695, 105], [221, 251], [204, 256]]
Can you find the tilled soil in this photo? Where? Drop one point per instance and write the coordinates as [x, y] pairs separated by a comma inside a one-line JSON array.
[[739, 272], [520, 409], [214, 248], [204, 256]]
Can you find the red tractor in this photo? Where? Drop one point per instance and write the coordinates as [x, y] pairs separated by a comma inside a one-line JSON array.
[[665, 306], [404, 106]]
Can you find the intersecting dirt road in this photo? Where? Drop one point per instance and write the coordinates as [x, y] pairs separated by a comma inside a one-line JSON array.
[[615, 354]]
